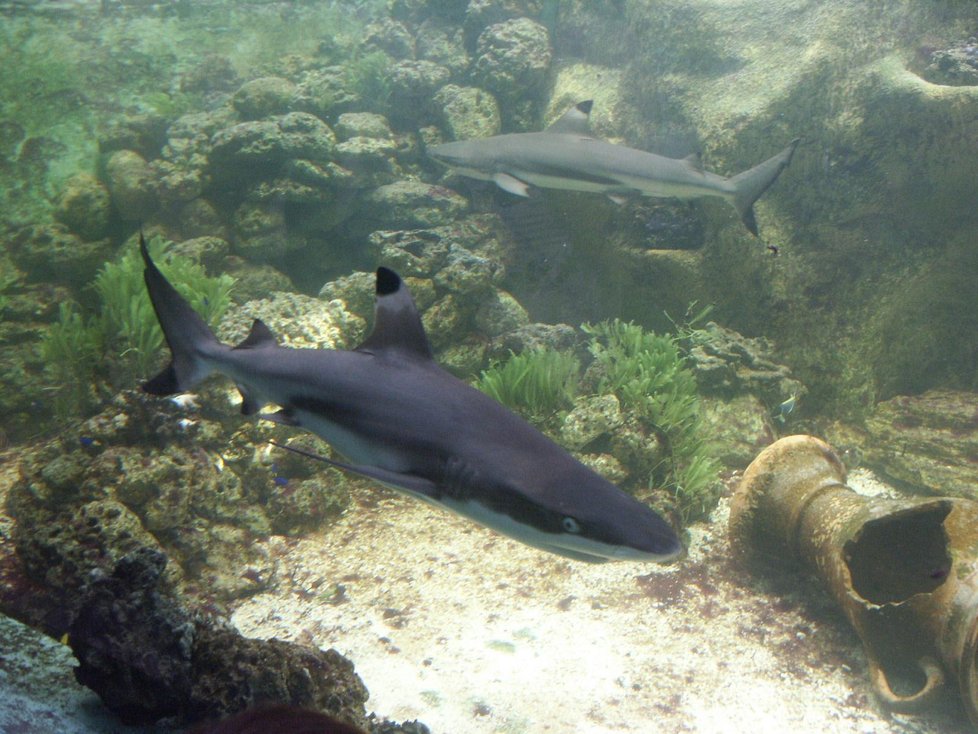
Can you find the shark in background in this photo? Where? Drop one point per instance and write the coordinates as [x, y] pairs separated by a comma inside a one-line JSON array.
[[402, 420], [567, 156]]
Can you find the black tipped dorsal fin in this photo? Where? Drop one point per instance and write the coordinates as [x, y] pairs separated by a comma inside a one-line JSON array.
[[259, 336], [397, 324], [576, 121]]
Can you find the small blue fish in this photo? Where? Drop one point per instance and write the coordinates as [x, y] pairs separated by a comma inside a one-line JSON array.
[[86, 441], [281, 481], [786, 408]]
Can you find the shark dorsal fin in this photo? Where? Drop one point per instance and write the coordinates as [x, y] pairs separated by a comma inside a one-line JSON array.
[[397, 324], [259, 336], [694, 161], [576, 121]]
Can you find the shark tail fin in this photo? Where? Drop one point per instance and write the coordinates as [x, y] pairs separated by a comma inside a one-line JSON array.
[[750, 184], [190, 339]]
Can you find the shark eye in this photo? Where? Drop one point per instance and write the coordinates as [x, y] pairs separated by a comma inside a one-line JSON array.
[[570, 525]]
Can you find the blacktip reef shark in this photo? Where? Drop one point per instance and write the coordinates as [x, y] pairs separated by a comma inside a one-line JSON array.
[[402, 420], [567, 156]]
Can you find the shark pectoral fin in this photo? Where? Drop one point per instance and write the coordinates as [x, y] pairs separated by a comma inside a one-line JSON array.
[[512, 184], [283, 417], [420, 486], [618, 199], [412, 483]]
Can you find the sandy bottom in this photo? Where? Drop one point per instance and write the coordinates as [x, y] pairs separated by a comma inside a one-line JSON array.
[[472, 633]]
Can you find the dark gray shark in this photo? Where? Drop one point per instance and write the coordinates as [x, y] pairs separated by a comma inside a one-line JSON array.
[[567, 156], [402, 420]]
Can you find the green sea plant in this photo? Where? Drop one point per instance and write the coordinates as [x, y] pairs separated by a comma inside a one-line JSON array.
[[70, 350], [539, 383], [648, 374], [368, 76]]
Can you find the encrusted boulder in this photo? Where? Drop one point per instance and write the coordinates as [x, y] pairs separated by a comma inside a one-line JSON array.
[[258, 147], [513, 59], [727, 364], [84, 206], [468, 112], [149, 659], [410, 205], [593, 416], [412, 85], [131, 181], [297, 321], [262, 97], [927, 442], [49, 252]]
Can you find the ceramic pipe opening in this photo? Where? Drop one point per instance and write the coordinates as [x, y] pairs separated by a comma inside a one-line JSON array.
[[902, 554]]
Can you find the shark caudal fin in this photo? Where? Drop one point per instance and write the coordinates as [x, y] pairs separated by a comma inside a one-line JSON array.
[[189, 337], [750, 184]]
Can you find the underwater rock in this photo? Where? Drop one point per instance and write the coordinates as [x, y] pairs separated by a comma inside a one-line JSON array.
[[132, 184], [200, 218], [255, 281], [255, 149], [927, 442], [479, 14], [233, 672], [149, 659], [261, 232], [61, 549], [297, 321], [500, 313], [208, 251], [301, 505], [327, 92], [727, 364], [410, 205], [593, 416], [362, 124], [213, 73], [372, 160], [468, 112], [181, 174], [145, 133], [443, 320], [737, 427], [416, 11], [559, 337], [49, 252], [469, 276], [356, 291], [412, 84], [413, 252], [954, 66], [439, 41], [84, 206], [133, 643], [513, 59], [391, 37], [263, 97]]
